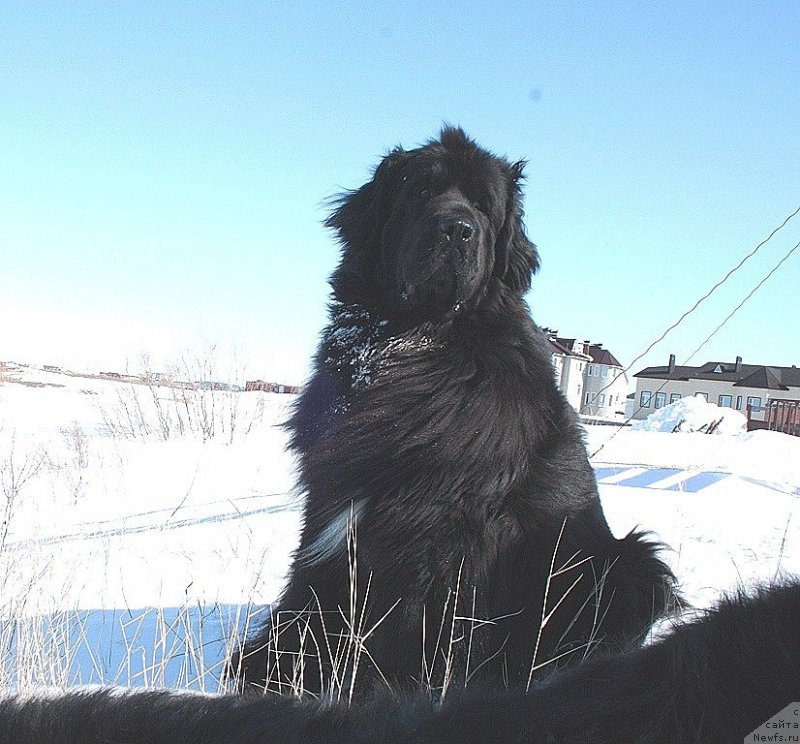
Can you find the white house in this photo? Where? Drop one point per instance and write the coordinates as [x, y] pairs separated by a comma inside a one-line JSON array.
[[731, 384], [589, 376]]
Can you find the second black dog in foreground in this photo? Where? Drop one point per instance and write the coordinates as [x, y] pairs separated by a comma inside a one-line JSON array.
[[713, 680]]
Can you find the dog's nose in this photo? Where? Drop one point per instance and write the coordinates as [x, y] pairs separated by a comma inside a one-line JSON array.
[[456, 229]]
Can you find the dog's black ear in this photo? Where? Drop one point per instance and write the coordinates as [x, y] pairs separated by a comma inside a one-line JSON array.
[[358, 218], [516, 257], [358, 214]]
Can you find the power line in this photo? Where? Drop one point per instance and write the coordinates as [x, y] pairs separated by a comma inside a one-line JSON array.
[[702, 299], [739, 306], [716, 330]]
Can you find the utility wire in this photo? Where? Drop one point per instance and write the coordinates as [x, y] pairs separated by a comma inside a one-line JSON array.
[[739, 306], [714, 288], [716, 330], [702, 299]]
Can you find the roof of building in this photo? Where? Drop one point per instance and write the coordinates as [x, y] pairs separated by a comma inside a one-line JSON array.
[[561, 348], [600, 355], [571, 346], [738, 374]]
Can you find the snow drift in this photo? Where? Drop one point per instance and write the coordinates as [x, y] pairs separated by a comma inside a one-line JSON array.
[[694, 413]]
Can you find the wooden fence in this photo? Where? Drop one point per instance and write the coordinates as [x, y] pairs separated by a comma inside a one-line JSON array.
[[777, 415]]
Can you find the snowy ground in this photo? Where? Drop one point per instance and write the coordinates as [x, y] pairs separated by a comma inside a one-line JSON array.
[[144, 525]]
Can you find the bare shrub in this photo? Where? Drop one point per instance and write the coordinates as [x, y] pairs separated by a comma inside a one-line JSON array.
[[192, 398]]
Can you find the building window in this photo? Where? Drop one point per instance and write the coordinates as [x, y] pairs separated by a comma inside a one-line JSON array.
[[601, 399], [587, 399], [644, 400], [753, 402], [674, 396], [738, 402], [705, 395], [591, 371], [661, 400], [725, 401]]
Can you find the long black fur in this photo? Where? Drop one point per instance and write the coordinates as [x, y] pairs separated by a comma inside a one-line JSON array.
[[712, 681], [445, 475]]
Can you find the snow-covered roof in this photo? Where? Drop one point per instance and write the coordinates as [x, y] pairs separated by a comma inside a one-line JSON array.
[[572, 347], [559, 347]]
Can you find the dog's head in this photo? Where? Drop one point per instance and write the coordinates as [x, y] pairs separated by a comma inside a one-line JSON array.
[[431, 232]]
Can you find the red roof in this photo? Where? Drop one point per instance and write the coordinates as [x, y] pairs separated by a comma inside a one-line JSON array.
[[600, 355]]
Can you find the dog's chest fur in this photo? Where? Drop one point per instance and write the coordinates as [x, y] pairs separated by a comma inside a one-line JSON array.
[[358, 348], [432, 401]]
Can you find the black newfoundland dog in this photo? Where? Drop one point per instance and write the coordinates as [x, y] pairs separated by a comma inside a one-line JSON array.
[[712, 681], [453, 530]]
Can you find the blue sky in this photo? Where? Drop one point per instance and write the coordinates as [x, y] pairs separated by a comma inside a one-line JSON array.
[[164, 166]]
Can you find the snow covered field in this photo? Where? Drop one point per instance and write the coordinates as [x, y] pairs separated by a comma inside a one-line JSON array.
[[143, 526]]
